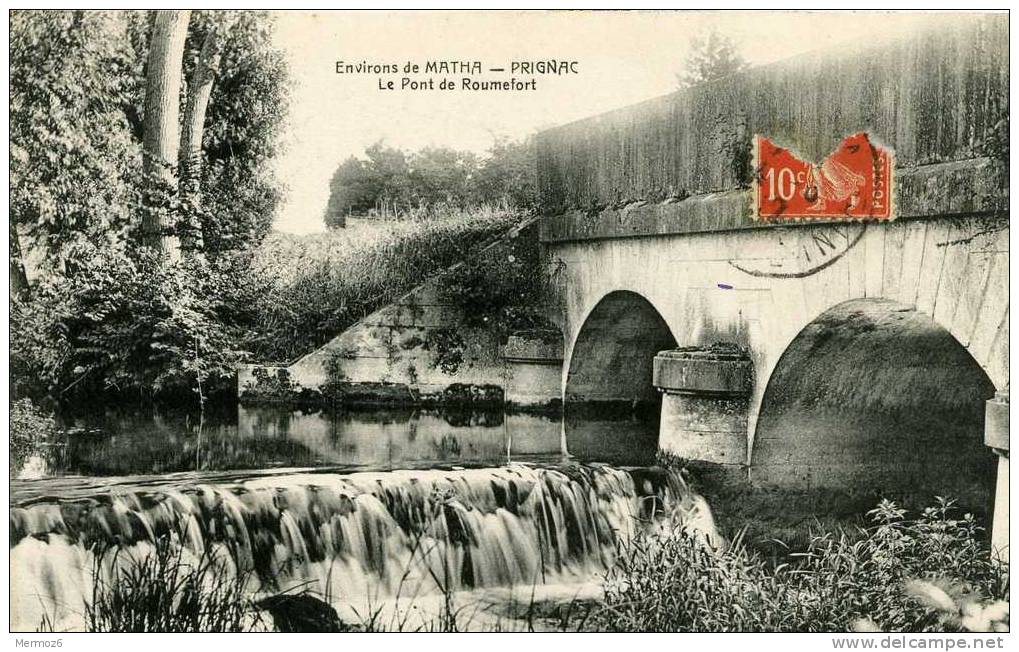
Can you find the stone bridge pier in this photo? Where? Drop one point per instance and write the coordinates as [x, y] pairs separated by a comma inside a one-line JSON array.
[[807, 354]]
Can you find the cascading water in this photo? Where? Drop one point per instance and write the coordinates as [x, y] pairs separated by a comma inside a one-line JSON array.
[[358, 539]]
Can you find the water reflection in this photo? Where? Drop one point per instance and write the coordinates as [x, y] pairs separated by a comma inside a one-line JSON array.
[[131, 442], [612, 431], [407, 438]]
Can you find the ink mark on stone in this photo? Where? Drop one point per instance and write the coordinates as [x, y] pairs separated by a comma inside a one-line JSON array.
[[827, 245]]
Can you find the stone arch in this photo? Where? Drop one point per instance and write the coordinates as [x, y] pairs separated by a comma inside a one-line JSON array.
[[874, 395], [612, 354], [612, 407]]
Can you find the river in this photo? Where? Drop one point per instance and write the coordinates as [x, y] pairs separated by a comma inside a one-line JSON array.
[[387, 514]]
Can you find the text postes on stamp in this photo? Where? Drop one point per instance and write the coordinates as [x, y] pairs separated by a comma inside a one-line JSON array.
[[854, 182]]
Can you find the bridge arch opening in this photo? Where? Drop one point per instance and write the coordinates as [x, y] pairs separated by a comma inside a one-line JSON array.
[[612, 409], [875, 397]]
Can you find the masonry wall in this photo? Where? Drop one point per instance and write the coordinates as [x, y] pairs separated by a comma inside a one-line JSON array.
[[760, 288], [938, 96], [421, 348]]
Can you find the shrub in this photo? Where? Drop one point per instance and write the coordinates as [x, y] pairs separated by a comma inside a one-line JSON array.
[[505, 288], [447, 349], [670, 582], [30, 428], [129, 325]]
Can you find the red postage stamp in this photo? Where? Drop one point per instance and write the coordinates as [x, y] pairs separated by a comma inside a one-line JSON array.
[[853, 182]]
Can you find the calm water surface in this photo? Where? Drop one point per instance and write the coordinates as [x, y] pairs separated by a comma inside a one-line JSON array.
[[132, 442]]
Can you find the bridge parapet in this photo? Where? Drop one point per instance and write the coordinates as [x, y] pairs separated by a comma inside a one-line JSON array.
[[683, 162]]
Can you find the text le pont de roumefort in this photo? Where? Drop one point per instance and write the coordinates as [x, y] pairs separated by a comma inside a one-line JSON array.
[[462, 75]]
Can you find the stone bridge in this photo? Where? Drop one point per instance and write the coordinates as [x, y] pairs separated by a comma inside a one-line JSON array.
[[808, 353]]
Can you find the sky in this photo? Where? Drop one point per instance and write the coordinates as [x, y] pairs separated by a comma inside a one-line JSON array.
[[622, 58]]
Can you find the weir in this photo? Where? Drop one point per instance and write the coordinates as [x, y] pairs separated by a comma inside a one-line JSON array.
[[360, 539]]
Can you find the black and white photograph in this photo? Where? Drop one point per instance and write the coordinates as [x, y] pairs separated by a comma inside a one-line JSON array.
[[509, 321]]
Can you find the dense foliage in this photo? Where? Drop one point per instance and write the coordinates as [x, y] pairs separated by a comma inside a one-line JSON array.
[[435, 180], [74, 162], [313, 287], [886, 577], [505, 288], [104, 312], [134, 325], [247, 110], [30, 429]]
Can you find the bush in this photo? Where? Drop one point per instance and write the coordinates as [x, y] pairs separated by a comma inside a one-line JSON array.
[[504, 288], [671, 582], [31, 427], [130, 325]]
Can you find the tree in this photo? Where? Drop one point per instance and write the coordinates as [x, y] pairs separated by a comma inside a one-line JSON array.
[[441, 176], [199, 90], [190, 160], [712, 56], [73, 161], [395, 183], [352, 188], [508, 176], [161, 127], [389, 169], [107, 311], [246, 114]]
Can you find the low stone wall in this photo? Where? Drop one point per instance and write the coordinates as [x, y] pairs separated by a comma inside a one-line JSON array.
[[399, 357], [420, 349]]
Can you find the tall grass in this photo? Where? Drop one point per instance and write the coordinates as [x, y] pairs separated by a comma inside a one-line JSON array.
[[669, 582], [163, 588], [927, 574], [317, 285]]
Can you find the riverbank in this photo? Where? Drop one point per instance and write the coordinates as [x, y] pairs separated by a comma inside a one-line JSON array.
[[561, 547]]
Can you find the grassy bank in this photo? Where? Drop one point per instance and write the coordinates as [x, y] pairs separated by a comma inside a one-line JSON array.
[[314, 286], [931, 573]]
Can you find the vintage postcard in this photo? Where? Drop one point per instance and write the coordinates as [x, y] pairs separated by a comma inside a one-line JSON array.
[[509, 321]]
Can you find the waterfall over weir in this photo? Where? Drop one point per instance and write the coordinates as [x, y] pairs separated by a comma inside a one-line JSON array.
[[359, 538]]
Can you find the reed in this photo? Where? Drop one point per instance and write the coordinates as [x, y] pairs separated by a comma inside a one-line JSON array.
[[163, 588], [667, 581]]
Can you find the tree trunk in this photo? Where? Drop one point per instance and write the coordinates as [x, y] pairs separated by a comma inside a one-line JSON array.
[[199, 90], [162, 134], [19, 279]]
